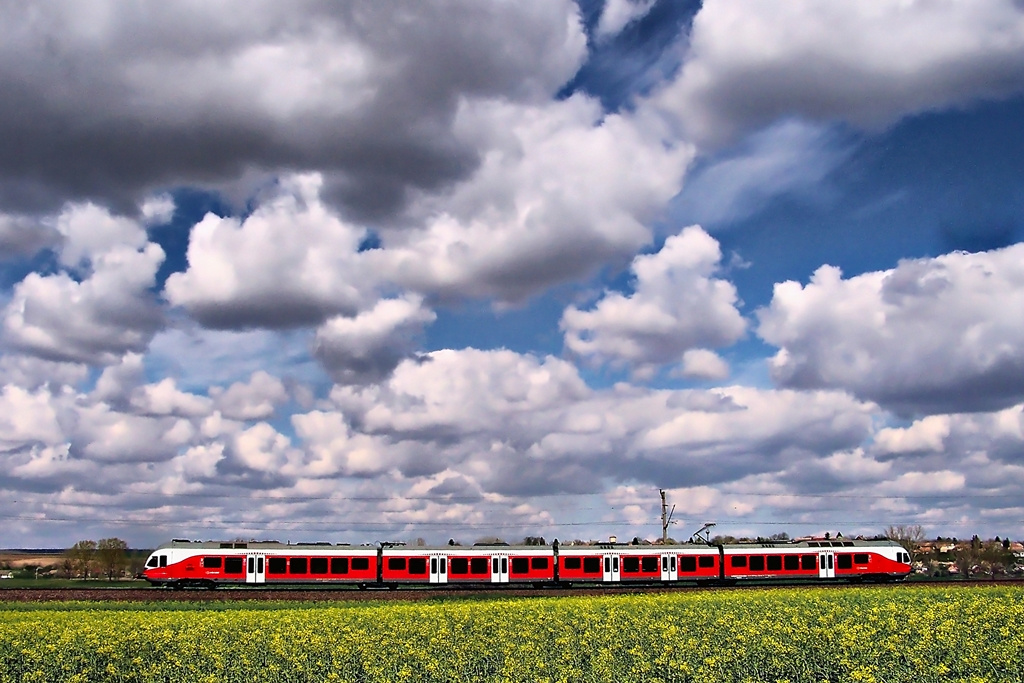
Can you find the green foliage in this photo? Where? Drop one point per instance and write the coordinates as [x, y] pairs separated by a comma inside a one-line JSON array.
[[884, 634]]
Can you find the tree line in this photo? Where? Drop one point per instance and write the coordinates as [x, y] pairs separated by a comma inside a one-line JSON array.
[[106, 557]]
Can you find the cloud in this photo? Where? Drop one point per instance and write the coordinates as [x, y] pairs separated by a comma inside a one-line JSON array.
[[291, 262], [90, 231], [676, 307], [367, 348], [96, 320], [868, 64], [255, 400], [113, 101], [23, 235], [617, 14], [164, 398], [787, 158], [562, 189], [928, 336]]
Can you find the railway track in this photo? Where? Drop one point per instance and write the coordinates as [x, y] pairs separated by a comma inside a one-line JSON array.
[[378, 594]]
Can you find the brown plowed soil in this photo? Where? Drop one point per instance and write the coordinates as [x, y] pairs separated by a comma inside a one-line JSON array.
[[320, 595], [351, 594]]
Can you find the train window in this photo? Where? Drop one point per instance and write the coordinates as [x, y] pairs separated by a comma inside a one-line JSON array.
[[252, 565], [360, 564], [520, 565], [318, 565], [664, 564], [460, 565], [757, 563], [444, 566], [163, 560], [152, 561], [707, 561], [792, 563], [298, 565], [277, 565], [739, 560], [592, 565], [808, 562], [396, 564], [673, 563], [687, 563], [844, 561], [212, 562], [233, 565], [774, 563], [339, 565], [607, 564], [504, 565], [433, 565], [539, 563], [572, 563], [860, 558], [630, 565], [478, 565], [649, 564], [494, 566], [615, 564], [417, 565]]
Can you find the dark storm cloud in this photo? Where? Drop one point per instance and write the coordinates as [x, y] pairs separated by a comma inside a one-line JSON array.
[[106, 100]]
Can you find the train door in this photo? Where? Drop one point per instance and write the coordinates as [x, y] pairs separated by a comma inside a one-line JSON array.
[[499, 568], [255, 568], [827, 564], [439, 569], [611, 567], [669, 569]]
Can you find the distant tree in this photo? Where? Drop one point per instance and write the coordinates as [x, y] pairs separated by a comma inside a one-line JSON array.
[[67, 565], [966, 556], [83, 554], [910, 536], [995, 558], [112, 557], [534, 540], [781, 536]]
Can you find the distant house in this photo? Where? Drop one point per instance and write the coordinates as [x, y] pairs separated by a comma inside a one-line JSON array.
[[6, 575]]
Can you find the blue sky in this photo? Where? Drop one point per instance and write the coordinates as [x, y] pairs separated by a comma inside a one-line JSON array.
[[434, 270]]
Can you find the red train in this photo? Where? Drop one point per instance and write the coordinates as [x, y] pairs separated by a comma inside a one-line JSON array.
[[197, 564]]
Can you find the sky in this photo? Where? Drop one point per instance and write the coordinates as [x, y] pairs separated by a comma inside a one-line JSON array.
[[355, 272]]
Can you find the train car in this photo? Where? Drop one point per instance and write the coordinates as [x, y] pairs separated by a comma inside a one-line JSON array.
[[622, 563], [197, 564], [818, 559], [183, 563], [491, 564]]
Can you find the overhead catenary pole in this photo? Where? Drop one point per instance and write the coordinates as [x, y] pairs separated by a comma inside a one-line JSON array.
[[666, 516]]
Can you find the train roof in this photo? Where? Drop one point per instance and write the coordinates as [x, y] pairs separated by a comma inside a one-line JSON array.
[[261, 545], [815, 543], [504, 547]]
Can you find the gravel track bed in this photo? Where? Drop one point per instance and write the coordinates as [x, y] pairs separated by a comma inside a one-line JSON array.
[[348, 595]]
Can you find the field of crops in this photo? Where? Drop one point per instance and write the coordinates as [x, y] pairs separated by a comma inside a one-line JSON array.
[[883, 634]]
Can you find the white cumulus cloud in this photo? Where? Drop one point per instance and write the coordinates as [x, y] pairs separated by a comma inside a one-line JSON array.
[[676, 307]]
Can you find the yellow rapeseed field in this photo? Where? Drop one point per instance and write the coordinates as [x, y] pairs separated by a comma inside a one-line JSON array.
[[877, 634]]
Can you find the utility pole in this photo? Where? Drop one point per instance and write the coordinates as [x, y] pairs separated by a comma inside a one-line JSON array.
[[666, 516]]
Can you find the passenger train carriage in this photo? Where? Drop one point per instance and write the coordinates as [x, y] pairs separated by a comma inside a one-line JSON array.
[[197, 564]]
